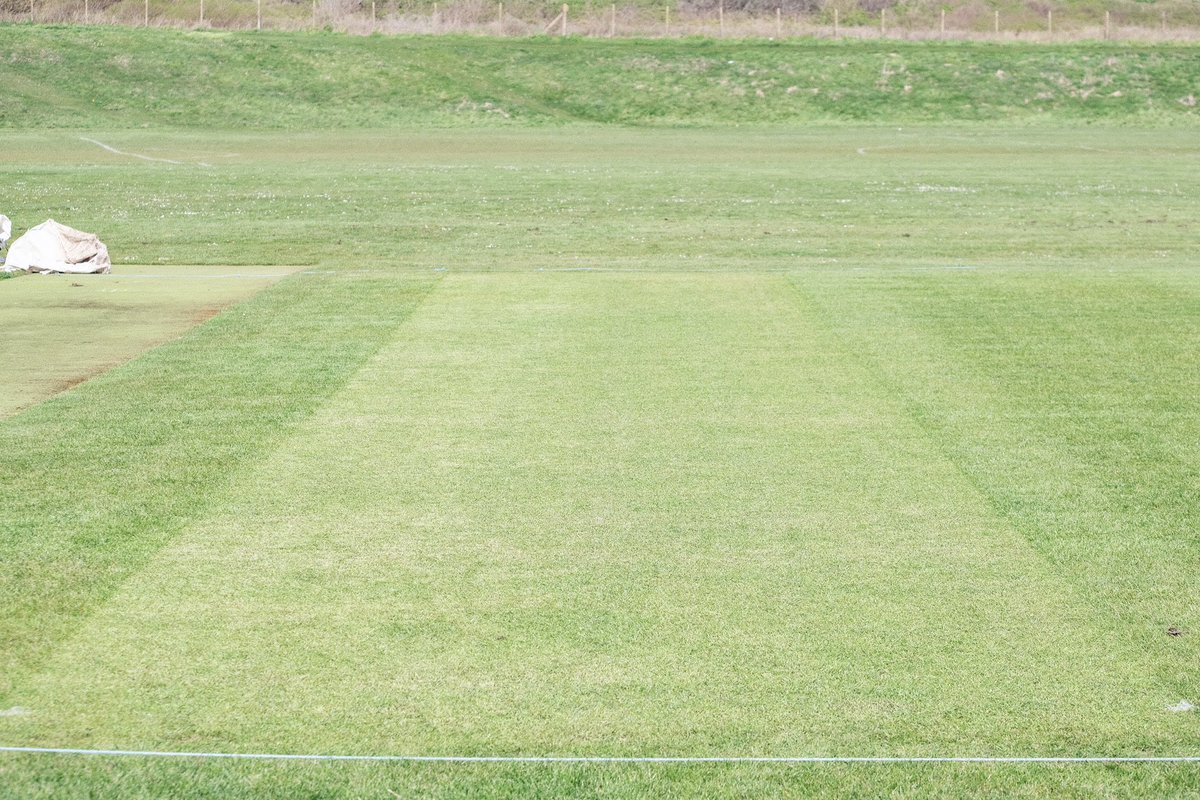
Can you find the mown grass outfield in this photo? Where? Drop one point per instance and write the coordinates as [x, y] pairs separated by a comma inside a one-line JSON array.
[[587, 441]]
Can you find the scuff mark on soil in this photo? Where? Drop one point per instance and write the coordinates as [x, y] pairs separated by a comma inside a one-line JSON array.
[[75, 380], [207, 313]]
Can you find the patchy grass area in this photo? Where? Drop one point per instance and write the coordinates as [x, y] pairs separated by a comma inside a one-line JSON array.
[[593, 442], [63, 330], [113, 78]]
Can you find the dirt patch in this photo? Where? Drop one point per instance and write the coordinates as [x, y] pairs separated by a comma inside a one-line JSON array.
[[69, 383], [93, 305], [197, 317], [207, 313]]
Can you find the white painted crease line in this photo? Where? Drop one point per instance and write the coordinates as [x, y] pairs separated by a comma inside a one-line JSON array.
[[233, 275], [932, 268], [622, 759], [679, 271], [136, 155], [246, 275]]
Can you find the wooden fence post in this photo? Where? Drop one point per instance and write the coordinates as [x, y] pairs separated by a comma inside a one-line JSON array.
[[883, 22], [258, 15], [667, 21], [146, 13], [836, 34], [85, 12], [778, 22], [721, 17], [996, 23], [564, 20], [942, 32], [1050, 21], [1106, 26], [500, 18]]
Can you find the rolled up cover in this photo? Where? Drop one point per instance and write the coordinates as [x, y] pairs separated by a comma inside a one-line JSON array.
[[51, 247]]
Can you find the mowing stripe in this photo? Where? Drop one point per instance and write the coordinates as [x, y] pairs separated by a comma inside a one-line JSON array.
[[622, 759]]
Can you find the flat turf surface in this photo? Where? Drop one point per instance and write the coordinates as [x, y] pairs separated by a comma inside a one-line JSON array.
[[591, 443], [61, 330]]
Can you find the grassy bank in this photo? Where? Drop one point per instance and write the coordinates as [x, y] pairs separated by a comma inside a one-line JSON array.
[[107, 78]]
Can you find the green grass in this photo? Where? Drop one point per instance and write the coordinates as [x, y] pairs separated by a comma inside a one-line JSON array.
[[781, 480], [606, 502], [114, 78], [781, 439], [132, 468], [595, 197]]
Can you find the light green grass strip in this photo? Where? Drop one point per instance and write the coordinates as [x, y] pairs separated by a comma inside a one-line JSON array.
[[586, 513], [93, 482]]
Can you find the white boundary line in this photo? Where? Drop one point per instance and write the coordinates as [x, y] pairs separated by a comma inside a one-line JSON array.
[[137, 155], [623, 759]]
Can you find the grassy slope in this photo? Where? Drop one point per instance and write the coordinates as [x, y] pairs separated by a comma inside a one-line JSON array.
[[108, 78]]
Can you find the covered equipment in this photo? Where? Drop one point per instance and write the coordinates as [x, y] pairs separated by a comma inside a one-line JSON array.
[[52, 247]]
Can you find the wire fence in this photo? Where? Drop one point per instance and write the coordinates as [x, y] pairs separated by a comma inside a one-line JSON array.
[[479, 17]]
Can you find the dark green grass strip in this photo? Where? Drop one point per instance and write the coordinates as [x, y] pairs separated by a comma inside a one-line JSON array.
[[34, 777], [95, 481], [1070, 401]]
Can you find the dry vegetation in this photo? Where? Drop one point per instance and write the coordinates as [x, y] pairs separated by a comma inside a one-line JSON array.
[[1029, 20]]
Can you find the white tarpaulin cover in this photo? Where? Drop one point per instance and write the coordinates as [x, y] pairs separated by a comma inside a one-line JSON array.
[[51, 247], [5, 233]]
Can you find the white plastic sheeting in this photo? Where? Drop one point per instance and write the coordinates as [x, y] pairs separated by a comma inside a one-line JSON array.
[[53, 247]]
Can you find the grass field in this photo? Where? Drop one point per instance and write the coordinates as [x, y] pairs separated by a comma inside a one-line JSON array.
[[573, 440]]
